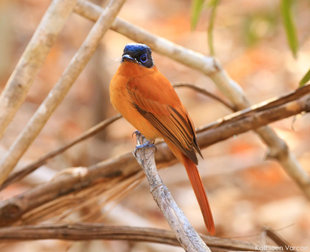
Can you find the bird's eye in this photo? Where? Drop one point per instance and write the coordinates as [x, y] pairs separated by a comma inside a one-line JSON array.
[[143, 58]]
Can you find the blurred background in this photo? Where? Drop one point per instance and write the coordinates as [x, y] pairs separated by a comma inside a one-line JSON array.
[[246, 191]]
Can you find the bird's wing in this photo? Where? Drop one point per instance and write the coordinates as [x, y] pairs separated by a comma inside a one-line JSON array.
[[156, 100]]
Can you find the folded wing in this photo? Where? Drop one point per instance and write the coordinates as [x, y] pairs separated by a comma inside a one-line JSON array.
[[160, 105]]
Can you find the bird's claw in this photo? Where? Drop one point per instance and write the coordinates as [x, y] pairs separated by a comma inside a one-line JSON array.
[[147, 144], [142, 142], [137, 133]]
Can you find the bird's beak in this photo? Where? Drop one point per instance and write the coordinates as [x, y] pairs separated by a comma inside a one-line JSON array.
[[127, 57]]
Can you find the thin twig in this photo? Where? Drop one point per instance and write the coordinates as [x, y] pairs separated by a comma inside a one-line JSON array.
[[33, 57], [16, 176], [278, 148], [57, 94], [125, 166], [91, 231], [183, 230], [205, 92]]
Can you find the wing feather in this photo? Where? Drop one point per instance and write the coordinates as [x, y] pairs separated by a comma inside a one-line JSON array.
[[166, 113]]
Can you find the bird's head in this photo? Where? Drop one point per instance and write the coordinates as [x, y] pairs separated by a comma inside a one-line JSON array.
[[138, 53]]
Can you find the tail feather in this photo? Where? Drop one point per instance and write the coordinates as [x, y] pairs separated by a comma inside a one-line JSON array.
[[194, 177]]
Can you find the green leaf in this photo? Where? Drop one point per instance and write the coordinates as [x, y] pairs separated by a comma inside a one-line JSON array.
[[197, 6], [289, 25], [305, 79], [213, 4]]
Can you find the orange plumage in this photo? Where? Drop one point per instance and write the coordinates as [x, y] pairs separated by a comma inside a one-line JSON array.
[[148, 101]]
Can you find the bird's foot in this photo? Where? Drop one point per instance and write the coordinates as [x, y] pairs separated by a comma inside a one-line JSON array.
[[142, 142], [146, 144]]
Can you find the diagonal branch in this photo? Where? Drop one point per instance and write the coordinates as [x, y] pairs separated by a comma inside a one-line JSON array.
[[33, 57], [278, 148], [90, 231], [125, 166], [58, 93]]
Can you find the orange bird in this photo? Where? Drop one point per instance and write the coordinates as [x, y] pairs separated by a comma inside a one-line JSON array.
[[147, 100]]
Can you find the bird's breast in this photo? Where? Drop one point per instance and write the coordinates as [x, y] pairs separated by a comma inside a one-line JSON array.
[[122, 102]]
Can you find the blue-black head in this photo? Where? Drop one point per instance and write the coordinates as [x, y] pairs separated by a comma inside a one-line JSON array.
[[138, 53]]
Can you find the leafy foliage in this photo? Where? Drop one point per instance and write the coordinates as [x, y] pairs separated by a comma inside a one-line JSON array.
[[289, 25], [197, 6], [286, 13], [305, 79], [213, 4]]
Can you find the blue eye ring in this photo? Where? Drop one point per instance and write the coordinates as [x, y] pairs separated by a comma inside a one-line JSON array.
[[143, 58]]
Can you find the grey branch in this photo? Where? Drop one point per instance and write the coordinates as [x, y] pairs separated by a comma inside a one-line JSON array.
[[185, 233]]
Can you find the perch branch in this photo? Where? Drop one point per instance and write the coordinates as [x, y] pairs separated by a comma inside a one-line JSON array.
[[57, 94], [185, 233], [278, 148], [85, 231], [33, 57], [125, 166], [16, 176]]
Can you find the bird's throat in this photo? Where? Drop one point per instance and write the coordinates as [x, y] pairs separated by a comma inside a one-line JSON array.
[[132, 69]]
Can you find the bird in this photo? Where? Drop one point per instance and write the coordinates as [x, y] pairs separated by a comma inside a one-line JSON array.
[[148, 101]]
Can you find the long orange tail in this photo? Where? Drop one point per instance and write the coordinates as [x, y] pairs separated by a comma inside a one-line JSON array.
[[194, 177]]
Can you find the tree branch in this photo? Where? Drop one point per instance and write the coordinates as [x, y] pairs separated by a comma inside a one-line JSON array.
[[90, 231], [183, 230], [125, 166], [61, 88]]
